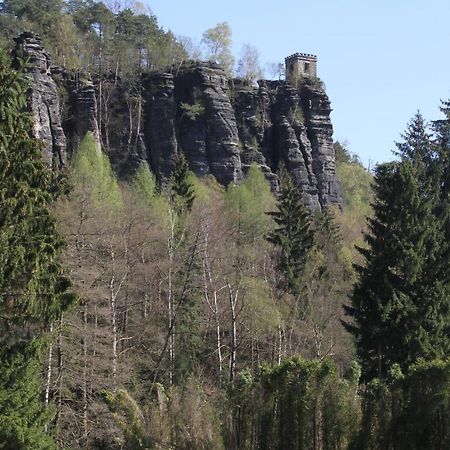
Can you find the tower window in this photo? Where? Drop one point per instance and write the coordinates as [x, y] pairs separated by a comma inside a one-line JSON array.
[[306, 67]]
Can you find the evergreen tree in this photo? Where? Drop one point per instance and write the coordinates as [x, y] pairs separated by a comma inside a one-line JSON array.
[[442, 143], [186, 341], [293, 236], [328, 234], [33, 289], [182, 193], [399, 307]]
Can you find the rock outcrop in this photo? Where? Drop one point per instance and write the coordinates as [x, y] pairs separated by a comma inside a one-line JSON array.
[[79, 106], [84, 103], [317, 109], [44, 100], [221, 126], [280, 123], [222, 130], [191, 112], [159, 123]]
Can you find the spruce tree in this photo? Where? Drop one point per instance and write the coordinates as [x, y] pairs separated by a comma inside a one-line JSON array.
[[398, 305], [182, 193], [442, 144], [293, 236], [33, 289], [186, 340]]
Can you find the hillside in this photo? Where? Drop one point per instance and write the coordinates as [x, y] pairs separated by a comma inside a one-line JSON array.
[[188, 261]]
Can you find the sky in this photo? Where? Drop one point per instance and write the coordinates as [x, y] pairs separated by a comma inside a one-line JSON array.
[[381, 61]]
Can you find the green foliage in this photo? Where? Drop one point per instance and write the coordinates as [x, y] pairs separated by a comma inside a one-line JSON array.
[[33, 288], [400, 305], [82, 33], [130, 420], [298, 116], [442, 132], [218, 42], [344, 156], [144, 183], [356, 189], [297, 404], [188, 333], [187, 341], [92, 171], [181, 193], [357, 196], [145, 187], [192, 111], [22, 415], [314, 82], [410, 411], [317, 83], [262, 311], [293, 237], [201, 187], [355, 182], [248, 203]]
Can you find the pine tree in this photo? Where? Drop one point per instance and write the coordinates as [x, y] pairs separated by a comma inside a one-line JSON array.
[[33, 289], [398, 304], [293, 236]]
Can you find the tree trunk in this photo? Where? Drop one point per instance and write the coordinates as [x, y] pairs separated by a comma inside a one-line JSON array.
[[85, 375], [233, 345], [214, 305], [49, 371]]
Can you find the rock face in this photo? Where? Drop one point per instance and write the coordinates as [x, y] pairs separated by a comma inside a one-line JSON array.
[[224, 129], [317, 109], [281, 123], [84, 103], [44, 99], [191, 112], [159, 123], [79, 114], [221, 126]]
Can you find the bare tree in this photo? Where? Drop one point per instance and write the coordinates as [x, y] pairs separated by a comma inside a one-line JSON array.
[[275, 70], [249, 67]]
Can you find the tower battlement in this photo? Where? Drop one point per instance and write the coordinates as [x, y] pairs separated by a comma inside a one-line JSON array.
[[300, 65], [301, 56]]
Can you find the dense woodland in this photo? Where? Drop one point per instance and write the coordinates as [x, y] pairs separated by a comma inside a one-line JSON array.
[[197, 316]]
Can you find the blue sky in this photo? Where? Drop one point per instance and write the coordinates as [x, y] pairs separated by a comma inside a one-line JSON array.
[[381, 61]]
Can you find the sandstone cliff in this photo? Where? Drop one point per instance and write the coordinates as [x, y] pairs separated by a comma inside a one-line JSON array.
[[281, 123], [191, 112], [221, 126], [44, 98]]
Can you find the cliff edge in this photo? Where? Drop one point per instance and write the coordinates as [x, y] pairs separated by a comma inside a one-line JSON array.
[[222, 126]]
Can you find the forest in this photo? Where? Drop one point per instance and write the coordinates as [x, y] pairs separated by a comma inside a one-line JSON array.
[[183, 315]]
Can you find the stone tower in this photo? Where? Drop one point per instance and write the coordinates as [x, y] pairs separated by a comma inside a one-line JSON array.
[[300, 65]]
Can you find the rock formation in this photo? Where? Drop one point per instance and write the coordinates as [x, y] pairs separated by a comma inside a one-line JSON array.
[[221, 126], [191, 112], [84, 103], [222, 130], [44, 98], [281, 123]]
